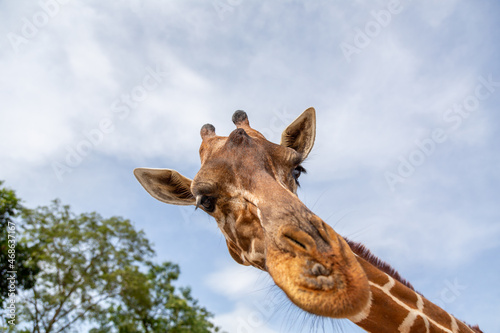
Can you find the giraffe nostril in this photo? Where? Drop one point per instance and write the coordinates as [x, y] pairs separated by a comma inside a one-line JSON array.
[[295, 239]]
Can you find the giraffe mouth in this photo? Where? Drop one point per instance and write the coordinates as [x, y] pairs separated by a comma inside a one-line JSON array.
[[317, 277], [320, 279]]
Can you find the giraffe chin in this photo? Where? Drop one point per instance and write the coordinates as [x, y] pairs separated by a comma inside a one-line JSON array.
[[332, 285]]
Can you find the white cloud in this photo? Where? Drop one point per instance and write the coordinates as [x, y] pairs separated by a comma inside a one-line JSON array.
[[434, 13], [34, 117], [249, 290], [236, 281], [245, 319]]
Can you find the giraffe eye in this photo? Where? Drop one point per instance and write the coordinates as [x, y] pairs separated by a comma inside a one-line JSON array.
[[206, 202], [297, 172]]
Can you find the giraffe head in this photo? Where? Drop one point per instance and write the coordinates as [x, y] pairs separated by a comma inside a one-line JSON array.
[[248, 184]]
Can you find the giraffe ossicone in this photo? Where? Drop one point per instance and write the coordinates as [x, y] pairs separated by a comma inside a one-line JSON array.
[[249, 185]]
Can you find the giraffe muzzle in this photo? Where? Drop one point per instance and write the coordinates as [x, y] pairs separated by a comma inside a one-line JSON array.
[[314, 267]]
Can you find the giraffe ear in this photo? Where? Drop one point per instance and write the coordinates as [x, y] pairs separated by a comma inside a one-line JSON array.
[[300, 134], [166, 185]]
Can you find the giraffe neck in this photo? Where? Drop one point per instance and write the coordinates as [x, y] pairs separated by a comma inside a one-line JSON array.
[[394, 307]]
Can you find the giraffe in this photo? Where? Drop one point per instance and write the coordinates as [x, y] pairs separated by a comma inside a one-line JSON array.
[[249, 185]]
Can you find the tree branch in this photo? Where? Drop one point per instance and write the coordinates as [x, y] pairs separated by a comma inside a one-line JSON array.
[[72, 290], [83, 313]]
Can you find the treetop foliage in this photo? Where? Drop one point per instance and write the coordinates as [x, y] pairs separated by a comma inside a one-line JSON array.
[[98, 272]]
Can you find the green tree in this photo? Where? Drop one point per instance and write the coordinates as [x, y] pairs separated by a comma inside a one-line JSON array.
[[92, 272], [149, 303], [20, 257]]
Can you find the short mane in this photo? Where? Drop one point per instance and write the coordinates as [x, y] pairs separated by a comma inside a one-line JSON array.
[[366, 254]]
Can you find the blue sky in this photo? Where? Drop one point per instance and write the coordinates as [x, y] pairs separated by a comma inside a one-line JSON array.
[[406, 155]]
